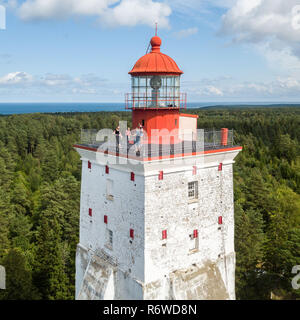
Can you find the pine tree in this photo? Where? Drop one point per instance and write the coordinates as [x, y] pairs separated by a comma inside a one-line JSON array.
[[62, 200], [50, 276], [4, 222], [18, 278], [249, 239], [50, 166]]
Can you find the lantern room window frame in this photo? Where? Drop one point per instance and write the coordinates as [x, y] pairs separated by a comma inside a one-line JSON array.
[[169, 92]]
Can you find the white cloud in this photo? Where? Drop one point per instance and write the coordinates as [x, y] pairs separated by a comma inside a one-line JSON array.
[[57, 9], [90, 85], [282, 61], [276, 89], [289, 83], [53, 80], [257, 20], [16, 83], [110, 12], [211, 90], [133, 12], [190, 6], [185, 33], [203, 88], [272, 25], [15, 78], [64, 81], [226, 88], [9, 3]]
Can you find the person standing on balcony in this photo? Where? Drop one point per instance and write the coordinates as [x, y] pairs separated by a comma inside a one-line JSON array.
[[137, 140], [128, 136], [141, 132], [118, 134]]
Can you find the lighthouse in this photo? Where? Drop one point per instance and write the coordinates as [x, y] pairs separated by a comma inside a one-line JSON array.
[[157, 221]]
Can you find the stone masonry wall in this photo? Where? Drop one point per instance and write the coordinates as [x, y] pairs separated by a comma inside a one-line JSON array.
[[124, 212], [148, 267], [167, 207]]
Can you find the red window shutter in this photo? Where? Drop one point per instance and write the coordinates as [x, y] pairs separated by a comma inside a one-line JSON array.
[[161, 175], [106, 169], [90, 212], [195, 233], [105, 219], [164, 234], [131, 233], [132, 176], [220, 220], [220, 167], [89, 165], [194, 170]]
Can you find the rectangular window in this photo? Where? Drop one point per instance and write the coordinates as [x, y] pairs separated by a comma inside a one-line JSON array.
[[105, 219], [90, 212], [106, 169], [89, 165], [193, 190], [164, 234], [220, 168], [109, 189], [109, 239]]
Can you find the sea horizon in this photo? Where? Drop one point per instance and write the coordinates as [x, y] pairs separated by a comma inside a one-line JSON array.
[[9, 108]]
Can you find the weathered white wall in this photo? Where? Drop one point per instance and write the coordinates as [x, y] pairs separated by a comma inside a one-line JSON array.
[[167, 208], [149, 267], [125, 212], [100, 279], [82, 259]]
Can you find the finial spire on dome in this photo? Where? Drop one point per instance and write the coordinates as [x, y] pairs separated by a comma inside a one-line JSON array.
[[155, 41], [155, 62]]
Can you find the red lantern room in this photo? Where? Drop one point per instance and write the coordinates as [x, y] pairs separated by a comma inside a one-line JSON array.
[[156, 99], [156, 80]]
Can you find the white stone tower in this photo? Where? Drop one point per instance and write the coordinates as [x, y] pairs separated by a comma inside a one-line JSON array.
[[157, 217]]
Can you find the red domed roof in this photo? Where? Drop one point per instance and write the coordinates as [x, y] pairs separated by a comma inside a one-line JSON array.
[[155, 62]]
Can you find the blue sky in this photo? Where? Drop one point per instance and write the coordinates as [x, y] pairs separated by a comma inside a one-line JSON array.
[[81, 51]]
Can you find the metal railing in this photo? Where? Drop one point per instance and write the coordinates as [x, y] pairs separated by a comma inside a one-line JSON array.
[[213, 138], [207, 140], [142, 101], [89, 136], [108, 258]]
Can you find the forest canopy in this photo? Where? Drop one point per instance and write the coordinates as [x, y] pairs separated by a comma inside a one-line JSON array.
[[40, 193]]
